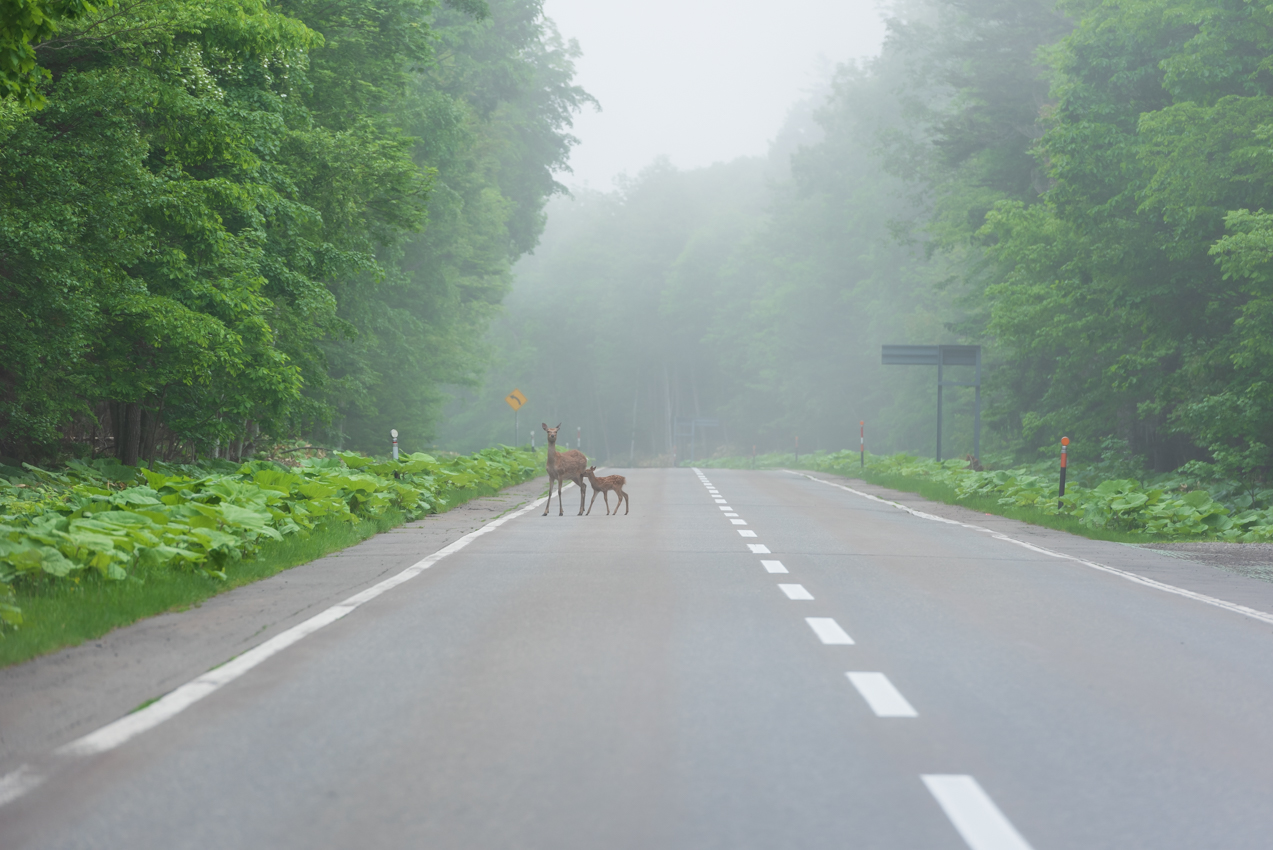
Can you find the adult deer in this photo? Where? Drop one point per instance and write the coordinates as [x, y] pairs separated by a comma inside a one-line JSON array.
[[604, 485], [563, 465]]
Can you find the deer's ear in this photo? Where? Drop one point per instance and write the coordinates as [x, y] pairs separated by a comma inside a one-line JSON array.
[[544, 425], [558, 424]]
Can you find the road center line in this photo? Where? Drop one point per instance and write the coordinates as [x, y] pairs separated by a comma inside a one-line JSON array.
[[795, 591], [113, 734], [1262, 616], [758, 549], [773, 566], [973, 813], [746, 532], [737, 521], [879, 693], [829, 631]]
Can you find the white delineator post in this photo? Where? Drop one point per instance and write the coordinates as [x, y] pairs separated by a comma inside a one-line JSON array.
[[393, 432]]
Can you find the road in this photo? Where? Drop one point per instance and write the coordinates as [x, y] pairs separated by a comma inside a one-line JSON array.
[[876, 679]]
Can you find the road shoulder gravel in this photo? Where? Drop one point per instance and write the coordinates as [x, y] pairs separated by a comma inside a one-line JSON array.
[[56, 698]]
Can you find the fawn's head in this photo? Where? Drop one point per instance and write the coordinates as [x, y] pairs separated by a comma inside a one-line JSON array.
[[552, 433], [590, 471]]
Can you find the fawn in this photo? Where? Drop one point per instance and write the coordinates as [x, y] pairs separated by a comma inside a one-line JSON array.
[[603, 486], [568, 465]]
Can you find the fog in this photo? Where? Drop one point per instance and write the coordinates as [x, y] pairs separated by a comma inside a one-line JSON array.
[[801, 186], [702, 81]]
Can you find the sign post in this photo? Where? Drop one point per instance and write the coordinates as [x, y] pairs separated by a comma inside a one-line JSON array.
[[515, 400], [1060, 497], [940, 356], [393, 432]]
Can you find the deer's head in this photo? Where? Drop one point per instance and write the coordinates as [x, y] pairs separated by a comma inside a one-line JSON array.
[[552, 432]]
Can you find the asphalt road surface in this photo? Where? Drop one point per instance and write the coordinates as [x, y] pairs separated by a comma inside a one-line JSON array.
[[746, 660]]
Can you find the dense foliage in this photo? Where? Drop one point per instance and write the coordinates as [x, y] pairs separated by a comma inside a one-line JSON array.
[[112, 520], [1076, 185], [229, 222], [1163, 505]]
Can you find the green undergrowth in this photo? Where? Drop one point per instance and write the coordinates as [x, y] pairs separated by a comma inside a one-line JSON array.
[[59, 614], [96, 546], [1100, 502]]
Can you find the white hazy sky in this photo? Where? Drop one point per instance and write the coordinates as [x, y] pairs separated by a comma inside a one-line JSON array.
[[701, 81]]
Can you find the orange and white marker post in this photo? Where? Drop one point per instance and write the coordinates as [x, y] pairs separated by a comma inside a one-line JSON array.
[[1065, 444]]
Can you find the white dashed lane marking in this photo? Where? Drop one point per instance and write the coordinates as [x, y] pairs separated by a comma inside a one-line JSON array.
[[737, 521], [974, 814], [758, 549], [773, 566], [880, 694], [795, 591], [719, 501], [829, 631], [746, 532]]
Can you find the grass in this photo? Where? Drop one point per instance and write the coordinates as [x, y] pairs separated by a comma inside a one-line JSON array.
[[936, 491], [59, 613]]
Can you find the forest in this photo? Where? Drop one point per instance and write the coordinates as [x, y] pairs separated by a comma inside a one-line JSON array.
[[228, 225], [1078, 187], [231, 225]]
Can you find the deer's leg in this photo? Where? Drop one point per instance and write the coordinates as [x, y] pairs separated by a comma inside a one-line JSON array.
[[560, 512], [583, 492], [549, 503], [593, 502]]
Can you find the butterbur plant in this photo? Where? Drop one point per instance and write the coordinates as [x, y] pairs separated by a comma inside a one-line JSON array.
[[111, 521]]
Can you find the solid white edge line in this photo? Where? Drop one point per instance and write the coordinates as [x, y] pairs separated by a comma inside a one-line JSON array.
[[975, 816], [1262, 616], [174, 702], [881, 695], [17, 783]]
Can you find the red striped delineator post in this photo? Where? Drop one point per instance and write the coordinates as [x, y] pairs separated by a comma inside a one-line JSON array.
[[1065, 444]]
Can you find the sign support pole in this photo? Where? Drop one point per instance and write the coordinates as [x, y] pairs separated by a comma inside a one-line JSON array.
[[939, 389]]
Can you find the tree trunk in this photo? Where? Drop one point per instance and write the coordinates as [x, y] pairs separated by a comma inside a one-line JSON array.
[[129, 448]]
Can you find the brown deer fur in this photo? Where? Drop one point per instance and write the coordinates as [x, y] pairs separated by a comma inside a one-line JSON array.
[[563, 466], [603, 486]]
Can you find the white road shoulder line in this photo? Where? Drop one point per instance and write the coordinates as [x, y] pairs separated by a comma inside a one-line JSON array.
[[773, 566], [880, 694], [1262, 616], [113, 734], [829, 631], [973, 813], [17, 783], [795, 591]]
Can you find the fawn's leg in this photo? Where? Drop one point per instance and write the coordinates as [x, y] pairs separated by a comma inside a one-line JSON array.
[[605, 497], [623, 497], [593, 502]]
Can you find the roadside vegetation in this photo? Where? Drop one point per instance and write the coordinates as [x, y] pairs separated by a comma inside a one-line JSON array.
[[1081, 188], [98, 545], [1111, 500]]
